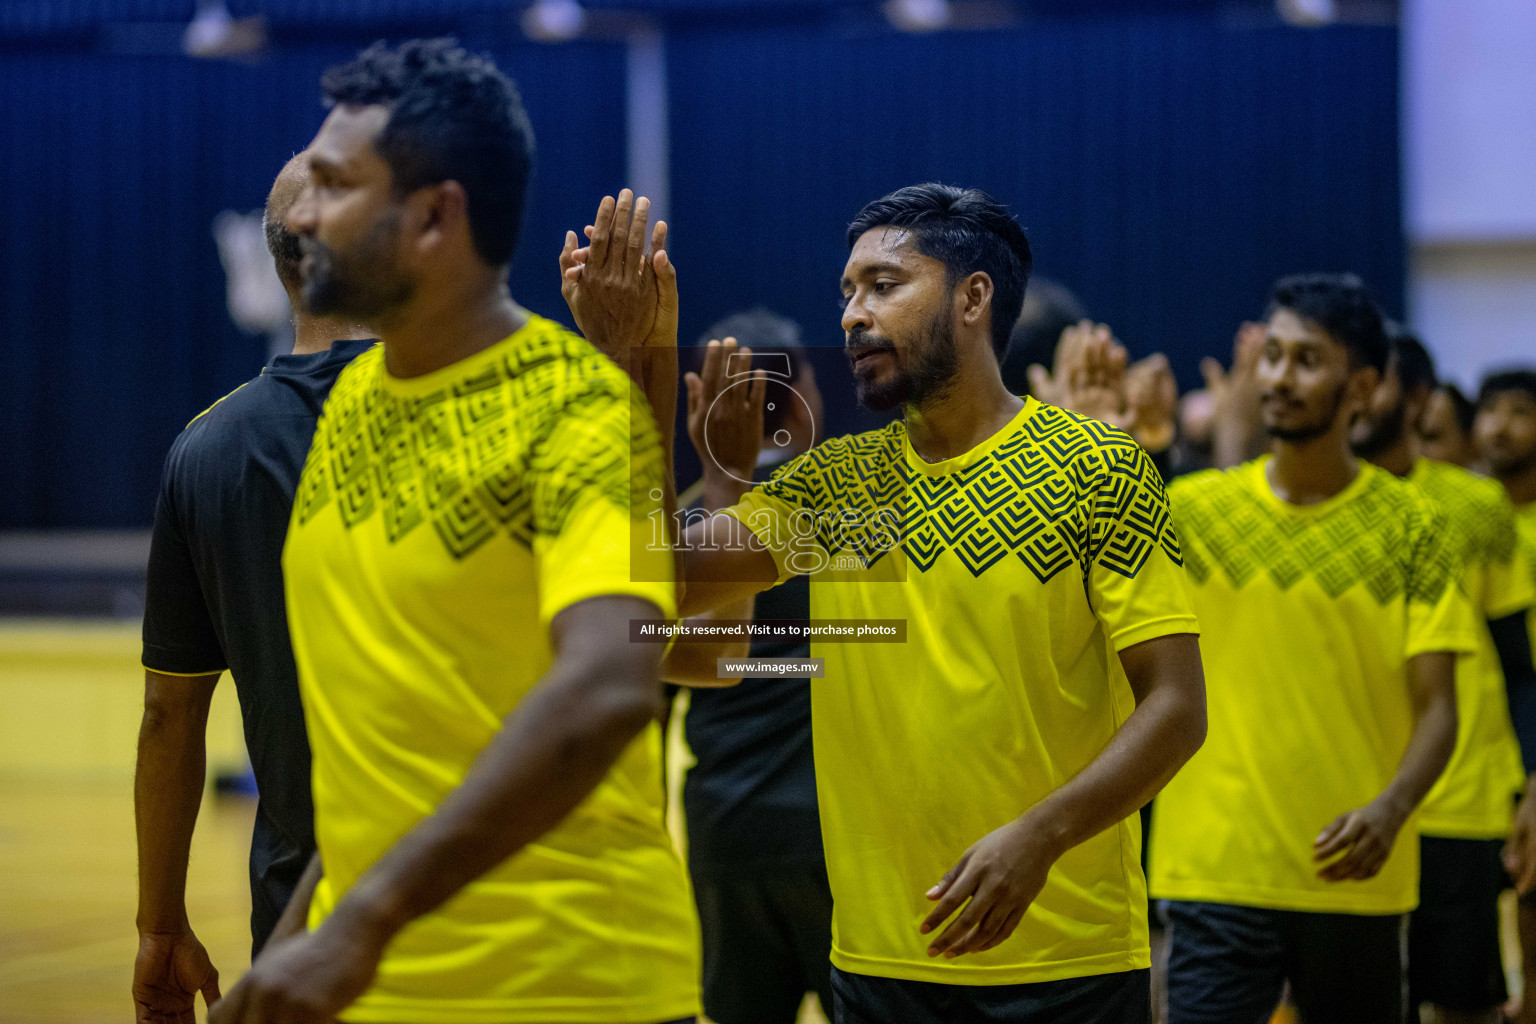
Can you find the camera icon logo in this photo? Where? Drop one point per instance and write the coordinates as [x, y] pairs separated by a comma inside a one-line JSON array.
[[776, 366]]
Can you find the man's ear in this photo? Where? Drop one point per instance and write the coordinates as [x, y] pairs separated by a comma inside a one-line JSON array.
[[1362, 384], [437, 213], [975, 297]]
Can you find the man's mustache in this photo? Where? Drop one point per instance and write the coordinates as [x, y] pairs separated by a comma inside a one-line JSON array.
[[309, 246], [861, 341]]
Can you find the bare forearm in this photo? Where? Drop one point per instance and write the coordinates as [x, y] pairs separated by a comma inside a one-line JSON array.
[[552, 752], [167, 791], [1157, 739], [658, 381], [1429, 750], [696, 664]]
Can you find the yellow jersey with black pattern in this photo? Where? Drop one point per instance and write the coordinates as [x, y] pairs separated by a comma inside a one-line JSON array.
[[1475, 797], [1525, 523], [1020, 568], [441, 523], [1311, 614]]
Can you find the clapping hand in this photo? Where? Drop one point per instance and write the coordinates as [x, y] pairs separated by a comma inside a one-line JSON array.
[[1235, 415], [1152, 400], [1089, 375], [725, 419], [621, 296]]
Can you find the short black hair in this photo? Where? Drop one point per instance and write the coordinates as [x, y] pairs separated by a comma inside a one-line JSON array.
[[451, 116], [1411, 361], [766, 332], [966, 230], [1340, 305], [1461, 406], [1517, 378]]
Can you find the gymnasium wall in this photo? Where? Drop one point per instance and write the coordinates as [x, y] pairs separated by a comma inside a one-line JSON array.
[[1167, 168]]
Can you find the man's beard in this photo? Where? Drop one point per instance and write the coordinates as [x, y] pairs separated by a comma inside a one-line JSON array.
[[361, 284], [1315, 429], [1383, 433], [930, 373], [1513, 465]]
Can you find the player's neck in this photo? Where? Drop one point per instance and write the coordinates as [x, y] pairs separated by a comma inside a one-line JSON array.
[[1311, 471], [1520, 484], [314, 334], [971, 409], [450, 324], [1399, 457]]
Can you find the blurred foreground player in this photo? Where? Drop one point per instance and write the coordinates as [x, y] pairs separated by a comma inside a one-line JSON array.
[[1328, 593], [464, 563], [978, 784], [1454, 955], [215, 602]]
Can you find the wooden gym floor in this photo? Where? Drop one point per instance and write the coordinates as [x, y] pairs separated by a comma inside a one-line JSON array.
[[71, 694]]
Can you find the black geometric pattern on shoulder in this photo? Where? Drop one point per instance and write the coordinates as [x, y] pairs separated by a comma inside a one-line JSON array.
[[514, 448], [1063, 491], [1477, 509], [1525, 527], [1389, 539]]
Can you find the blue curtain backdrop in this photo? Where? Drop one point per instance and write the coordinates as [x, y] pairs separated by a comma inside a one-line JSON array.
[[114, 330], [1166, 168]]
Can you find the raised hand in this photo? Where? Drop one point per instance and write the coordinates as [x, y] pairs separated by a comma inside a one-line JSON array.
[[725, 414], [1089, 376], [1235, 416], [610, 284], [1152, 401], [664, 330], [168, 974]]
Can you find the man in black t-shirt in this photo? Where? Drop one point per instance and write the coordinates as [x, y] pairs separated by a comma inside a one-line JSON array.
[[754, 838], [215, 602]]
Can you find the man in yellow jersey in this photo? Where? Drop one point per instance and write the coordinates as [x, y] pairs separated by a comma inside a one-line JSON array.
[[1328, 594], [1454, 960], [978, 784], [1505, 433], [461, 588]]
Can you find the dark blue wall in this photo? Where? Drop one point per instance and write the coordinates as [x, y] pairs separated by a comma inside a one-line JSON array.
[[114, 331], [1167, 169]]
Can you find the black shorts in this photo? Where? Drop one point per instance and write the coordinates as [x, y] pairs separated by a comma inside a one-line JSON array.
[[1123, 998], [1229, 965], [767, 940], [1454, 960]]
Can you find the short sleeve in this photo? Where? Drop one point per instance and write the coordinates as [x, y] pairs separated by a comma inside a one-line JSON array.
[[1440, 614], [595, 484], [781, 513], [1510, 585], [1135, 571], [179, 637]]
